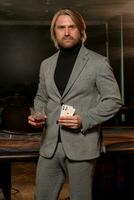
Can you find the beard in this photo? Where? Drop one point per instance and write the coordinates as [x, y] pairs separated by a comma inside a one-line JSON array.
[[68, 41]]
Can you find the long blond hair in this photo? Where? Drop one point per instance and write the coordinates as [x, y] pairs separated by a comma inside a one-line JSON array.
[[77, 19]]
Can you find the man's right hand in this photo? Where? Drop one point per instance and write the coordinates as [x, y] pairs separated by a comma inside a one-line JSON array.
[[36, 122]]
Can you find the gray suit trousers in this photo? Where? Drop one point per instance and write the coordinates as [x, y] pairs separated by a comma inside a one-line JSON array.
[[51, 173]]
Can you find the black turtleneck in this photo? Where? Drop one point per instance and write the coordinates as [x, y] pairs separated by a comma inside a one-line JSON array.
[[64, 67]]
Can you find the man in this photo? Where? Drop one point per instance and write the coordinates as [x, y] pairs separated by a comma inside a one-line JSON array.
[[82, 79]]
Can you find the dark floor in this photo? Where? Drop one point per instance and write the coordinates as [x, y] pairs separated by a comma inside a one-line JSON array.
[[23, 178]]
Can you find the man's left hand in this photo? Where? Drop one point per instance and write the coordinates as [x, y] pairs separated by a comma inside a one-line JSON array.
[[70, 121]]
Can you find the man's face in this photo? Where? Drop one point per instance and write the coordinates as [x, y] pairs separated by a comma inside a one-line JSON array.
[[66, 32]]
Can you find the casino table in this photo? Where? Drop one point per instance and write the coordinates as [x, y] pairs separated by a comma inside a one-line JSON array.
[[17, 147]]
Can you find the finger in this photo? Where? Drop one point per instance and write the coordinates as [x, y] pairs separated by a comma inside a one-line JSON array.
[[35, 124], [70, 125], [30, 118]]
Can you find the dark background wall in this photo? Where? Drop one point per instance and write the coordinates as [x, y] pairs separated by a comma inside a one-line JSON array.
[[25, 42], [44, 9]]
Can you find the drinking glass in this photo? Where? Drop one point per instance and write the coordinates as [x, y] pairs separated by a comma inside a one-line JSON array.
[[39, 116]]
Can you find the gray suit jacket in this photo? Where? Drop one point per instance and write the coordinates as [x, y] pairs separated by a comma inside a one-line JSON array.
[[92, 90]]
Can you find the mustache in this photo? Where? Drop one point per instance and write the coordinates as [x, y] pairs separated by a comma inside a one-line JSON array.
[[68, 37]]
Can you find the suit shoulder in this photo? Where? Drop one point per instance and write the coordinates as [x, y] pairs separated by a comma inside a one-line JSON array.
[[97, 60], [95, 55], [49, 59]]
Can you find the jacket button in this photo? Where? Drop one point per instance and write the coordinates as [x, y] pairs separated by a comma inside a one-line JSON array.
[[82, 132]]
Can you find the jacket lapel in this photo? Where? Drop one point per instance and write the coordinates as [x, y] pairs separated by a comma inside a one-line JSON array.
[[51, 75], [78, 67]]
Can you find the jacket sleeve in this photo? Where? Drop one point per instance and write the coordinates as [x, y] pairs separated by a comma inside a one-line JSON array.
[[110, 98], [41, 97]]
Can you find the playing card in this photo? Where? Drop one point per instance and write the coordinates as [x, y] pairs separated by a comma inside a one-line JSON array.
[[67, 110]]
